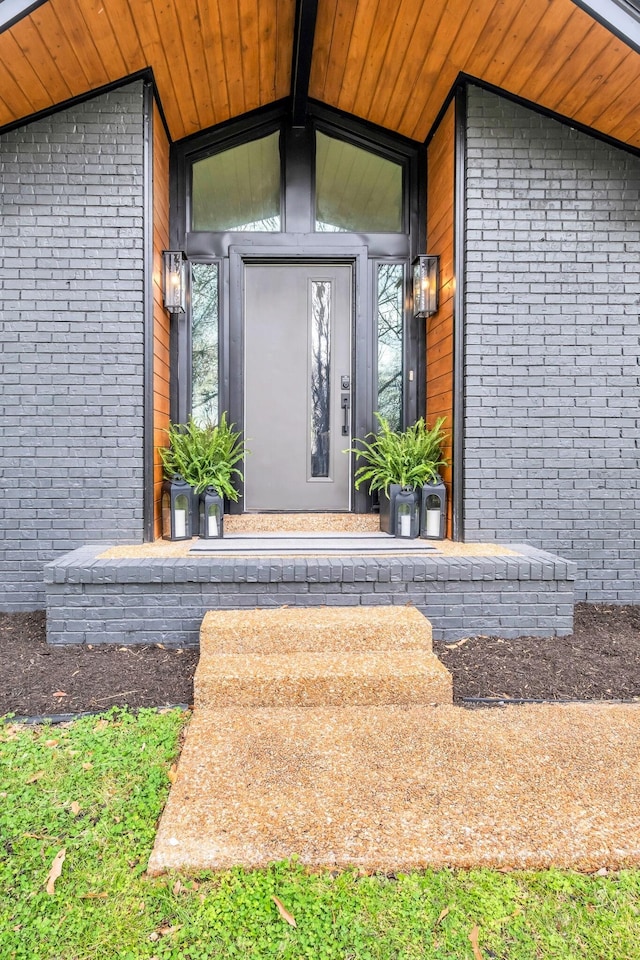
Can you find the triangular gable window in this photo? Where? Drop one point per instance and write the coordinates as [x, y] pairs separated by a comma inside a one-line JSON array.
[[239, 188], [356, 190]]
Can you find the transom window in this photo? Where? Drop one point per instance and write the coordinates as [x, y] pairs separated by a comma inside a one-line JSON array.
[[238, 189], [356, 190]]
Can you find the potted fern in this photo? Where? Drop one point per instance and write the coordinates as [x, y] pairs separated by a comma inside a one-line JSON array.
[[395, 460], [206, 458]]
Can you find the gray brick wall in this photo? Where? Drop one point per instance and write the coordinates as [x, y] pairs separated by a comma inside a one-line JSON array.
[[552, 344], [71, 337], [95, 600]]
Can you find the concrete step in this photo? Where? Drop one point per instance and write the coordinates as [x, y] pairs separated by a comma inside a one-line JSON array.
[[286, 630], [321, 679]]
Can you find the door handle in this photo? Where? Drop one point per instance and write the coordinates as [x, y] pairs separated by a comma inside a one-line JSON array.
[[345, 403]]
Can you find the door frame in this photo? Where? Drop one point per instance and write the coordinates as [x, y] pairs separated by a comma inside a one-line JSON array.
[[362, 336]]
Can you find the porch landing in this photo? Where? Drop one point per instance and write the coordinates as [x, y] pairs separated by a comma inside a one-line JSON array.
[[159, 592]]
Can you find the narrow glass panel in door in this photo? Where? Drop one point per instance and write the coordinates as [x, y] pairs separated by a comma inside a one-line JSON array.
[[297, 386]]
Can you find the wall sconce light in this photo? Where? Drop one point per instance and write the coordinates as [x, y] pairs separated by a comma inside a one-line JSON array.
[[174, 287], [426, 285]]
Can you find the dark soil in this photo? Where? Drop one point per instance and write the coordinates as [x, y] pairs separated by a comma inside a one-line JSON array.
[[599, 661], [33, 675]]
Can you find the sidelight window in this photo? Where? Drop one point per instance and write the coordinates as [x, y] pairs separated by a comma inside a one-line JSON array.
[[390, 329], [320, 377], [205, 311]]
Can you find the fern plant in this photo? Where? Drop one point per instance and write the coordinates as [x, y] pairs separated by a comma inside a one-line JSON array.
[[408, 457], [205, 456]]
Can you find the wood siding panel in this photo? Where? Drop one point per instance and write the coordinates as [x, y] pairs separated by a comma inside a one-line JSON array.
[[361, 48], [491, 38], [160, 315], [610, 101], [35, 50], [250, 40], [192, 47], [549, 51], [99, 27], [340, 31], [269, 43], [209, 14], [382, 59], [21, 71], [532, 44], [81, 40], [440, 240], [420, 73], [554, 55], [321, 60], [231, 44], [120, 20], [152, 23], [48, 25], [10, 88], [211, 59]]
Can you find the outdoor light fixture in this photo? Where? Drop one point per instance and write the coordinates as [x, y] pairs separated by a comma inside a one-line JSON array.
[[426, 283], [434, 511], [176, 509], [407, 510], [211, 514], [174, 287]]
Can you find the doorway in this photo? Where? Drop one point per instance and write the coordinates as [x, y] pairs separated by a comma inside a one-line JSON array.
[[298, 385]]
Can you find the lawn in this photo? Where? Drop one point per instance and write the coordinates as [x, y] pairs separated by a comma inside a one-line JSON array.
[[95, 788]]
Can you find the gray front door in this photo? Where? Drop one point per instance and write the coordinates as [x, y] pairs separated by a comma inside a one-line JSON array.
[[297, 336]]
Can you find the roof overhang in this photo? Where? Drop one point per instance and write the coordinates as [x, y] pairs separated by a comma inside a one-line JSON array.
[[392, 64], [622, 17], [13, 10]]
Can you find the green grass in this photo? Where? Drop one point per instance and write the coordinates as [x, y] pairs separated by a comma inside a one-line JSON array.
[[104, 907]]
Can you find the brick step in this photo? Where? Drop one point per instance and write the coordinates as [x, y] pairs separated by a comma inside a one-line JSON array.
[[321, 679], [298, 629]]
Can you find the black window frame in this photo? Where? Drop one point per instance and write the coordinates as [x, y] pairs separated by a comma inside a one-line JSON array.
[[298, 219]]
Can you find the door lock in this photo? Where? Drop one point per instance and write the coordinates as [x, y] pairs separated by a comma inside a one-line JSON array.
[[345, 383]]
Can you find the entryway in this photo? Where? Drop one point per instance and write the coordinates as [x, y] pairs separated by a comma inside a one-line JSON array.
[[298, 385]]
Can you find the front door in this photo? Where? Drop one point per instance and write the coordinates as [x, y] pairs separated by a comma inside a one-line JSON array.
[[297, 335]]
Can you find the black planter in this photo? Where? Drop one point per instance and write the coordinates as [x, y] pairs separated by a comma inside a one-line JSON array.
[[195, 510], [387, 512], [406, 514], [211, 519], [177, 511], [433, 511]]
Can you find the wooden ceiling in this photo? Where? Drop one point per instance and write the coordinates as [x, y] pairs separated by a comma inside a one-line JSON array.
[[388, 61], [394, 62], [212, 59]]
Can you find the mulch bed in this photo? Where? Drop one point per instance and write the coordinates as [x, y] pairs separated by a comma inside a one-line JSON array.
[[599, 661]]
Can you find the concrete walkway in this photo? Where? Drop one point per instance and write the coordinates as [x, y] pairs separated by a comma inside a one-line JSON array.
[[398, 787]]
